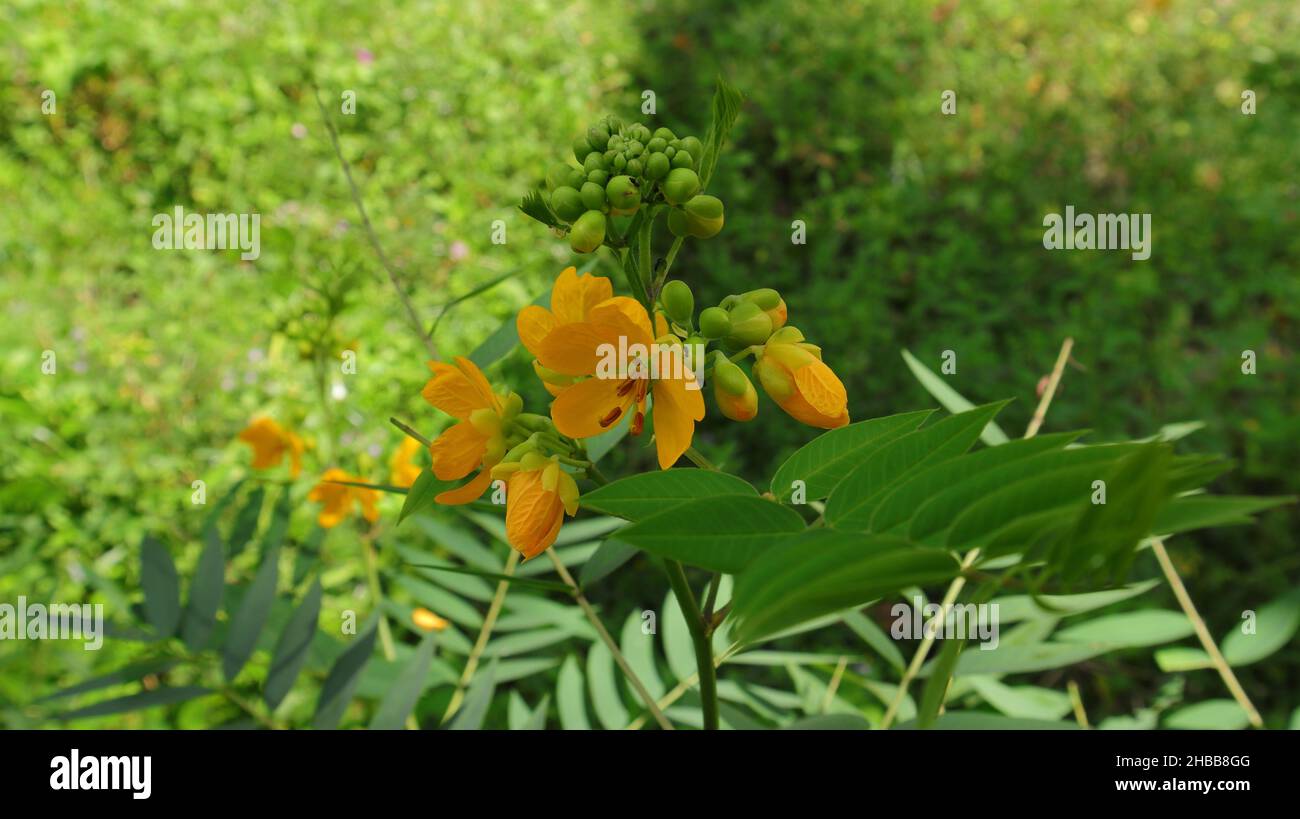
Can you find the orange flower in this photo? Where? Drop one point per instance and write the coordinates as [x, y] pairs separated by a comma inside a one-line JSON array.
[[426, 620], [270, 442], [792, 372], [338, 497], [402, 470], [591, 406], [538, 495], [478, 440], [572, 298]]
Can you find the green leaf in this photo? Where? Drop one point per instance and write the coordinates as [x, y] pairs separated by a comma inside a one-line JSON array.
[[818, 572], [504, 339], [211, 531], [1223, 715], [162, 587], [534, 206], [875, 637], [1019, 659], [902, 502], [639, 651], [1022, 701], [936, 685], [342, 680], [292, 648], [420, 496], [276, 528], [1014, 608], [1203, 511], [405, 693], [605, 699], [206, 591], [569, 697], [651, 493], [1131, 629], [136, 702], [727, 101], [473, 711], [609, 556], [830, 722], [854, 501], [825, 460], [1275, 625], [522, 718], [127, 674], [1182, 658], [543, 585], [978, 721], [246, 522], [679, 648], [248, 620], [721, 533], [992, 435]]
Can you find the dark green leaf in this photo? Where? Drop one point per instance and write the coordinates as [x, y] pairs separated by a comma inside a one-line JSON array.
[[136, 702], [246, 521], [611, 554], [477, 700], [405, 693], [1203, 511], [342, 680], [420, 496], [825, 460], [292, 648], [650, 493], [126, 674], [992, 435], [206, 591], [722, 533], [248, 620], [162, 587]]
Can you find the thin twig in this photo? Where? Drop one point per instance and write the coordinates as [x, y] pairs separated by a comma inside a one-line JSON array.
[[370, 232], [1203, 633], [494, 610], [682, 687], [1052, 382], [410, 432], [1076, 702], [834, 684], [609, 642]]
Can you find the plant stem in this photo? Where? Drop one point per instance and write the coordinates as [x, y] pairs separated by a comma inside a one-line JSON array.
[[699, 460], [644, 264], [609, 642], [370, 232], [1052, 382], [471, 664], [703, 650], [410, 432], [1203, 633], [685, 685], [1076, 702], [710, 600]]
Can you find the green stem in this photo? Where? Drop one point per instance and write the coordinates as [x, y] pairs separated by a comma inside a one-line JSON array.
[[668, 262], [694, 456], [595, 475], [644, 263], [703, 650]]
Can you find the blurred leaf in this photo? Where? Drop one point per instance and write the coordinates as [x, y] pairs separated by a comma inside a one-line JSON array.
[[1130, 629], [639, 651], [477, 700], [936, 685], [1021, 659], [543, 585], [405, 693], [1182, 658], [127, 674], [206, 590], [992, 435], [569, 697], [830, 722], [1013, 608], [279, 523], [1024, 701], [651, 493], [292, 648], [248, 620], [722, 533], [1223, 715], [341, 682], [420, 497], [875, 637], [727, 101], [825, 460], [162, 587], [605, 699], [246, 521], [611, 554], [977, 721], [1275, 625], [136, 702], [1203, 511]]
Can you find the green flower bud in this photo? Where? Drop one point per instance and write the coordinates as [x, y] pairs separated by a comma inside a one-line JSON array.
[[599, 177], [693, 146], [635, 148], [615, 123], [593, 196], [664, 134], [765, 297], [616, 143], [714, 322], [581, 147], [575, 178], [749, 325], [730, 377], [634, 167], [677, 223], [623, 195], [670, 152], [682, 159], [704, 217], [620, 162], [609, 157], [598, 136], [675, 144], [594, 162], [589, 232], [567, 203], [680, 185], [657, 166], [678, 301], [656, 145], [557, 176]]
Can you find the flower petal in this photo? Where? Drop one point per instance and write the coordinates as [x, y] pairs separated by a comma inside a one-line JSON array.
[[534, 323], [579, 409], [676, 409], [467, 493], [574, 349], [533, 515], [573, 296], [481, 385], [821, 388], [625, 314], [451, 391], [457, 451]]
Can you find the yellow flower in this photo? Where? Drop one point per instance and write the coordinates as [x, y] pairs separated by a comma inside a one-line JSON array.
[[572, 298], [792, 373], [593, 405], [270, 442], [426, 620], [338, 498], [402, 470], [478, 440], [538, 495]]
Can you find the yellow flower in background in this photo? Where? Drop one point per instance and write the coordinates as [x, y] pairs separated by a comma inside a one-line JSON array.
[[339, 498], [593, 405], [426, 620], [270, 442], [538, 495], [402, 469], [478, 440], [792, 373], [572, 298]]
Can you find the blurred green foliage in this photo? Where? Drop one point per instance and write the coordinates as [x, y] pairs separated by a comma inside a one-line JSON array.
[[924, 232]]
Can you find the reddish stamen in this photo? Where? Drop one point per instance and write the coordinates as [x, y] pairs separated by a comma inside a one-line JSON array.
[[626, 387], [638, 422], [611, 417]]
